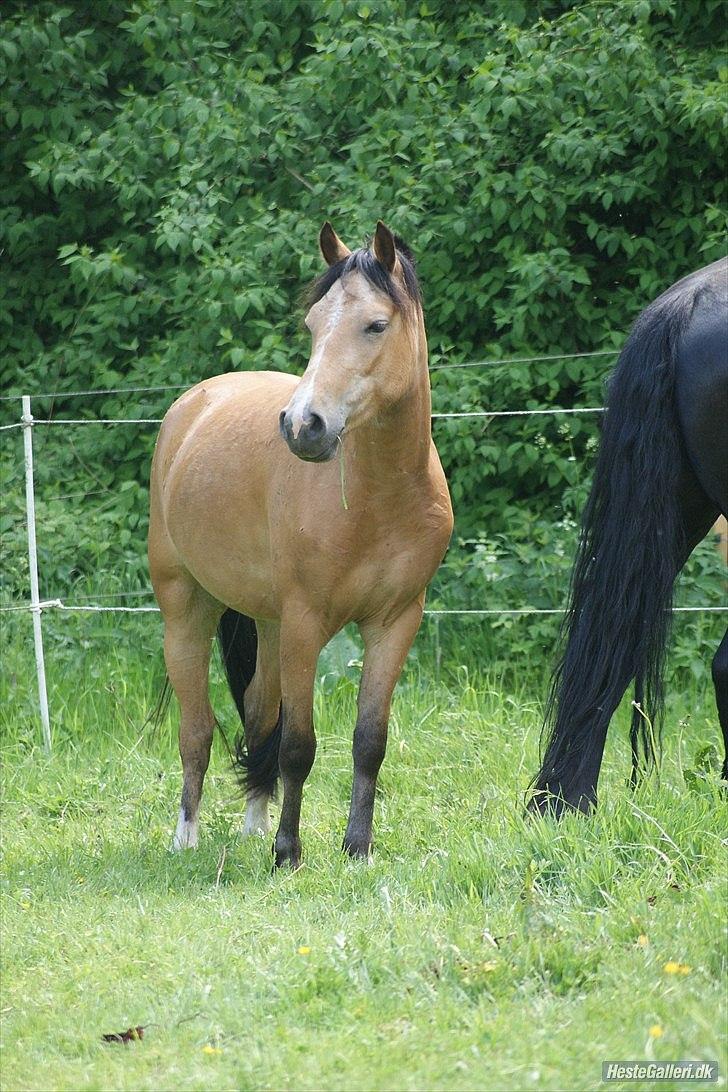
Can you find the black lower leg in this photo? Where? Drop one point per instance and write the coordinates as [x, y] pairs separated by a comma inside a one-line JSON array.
[[572, 785], [297, 752], [370, 742]]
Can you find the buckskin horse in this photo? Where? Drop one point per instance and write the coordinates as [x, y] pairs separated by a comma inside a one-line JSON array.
[[253, 534], [660, 482]]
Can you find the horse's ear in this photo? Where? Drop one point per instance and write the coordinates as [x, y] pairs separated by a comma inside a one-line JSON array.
[[331, 245], [384, 249]]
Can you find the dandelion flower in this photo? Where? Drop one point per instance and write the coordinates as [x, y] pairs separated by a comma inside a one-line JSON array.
[[673, 967], [656, 1031], [304, 950], [208, 1049], [643, 940]]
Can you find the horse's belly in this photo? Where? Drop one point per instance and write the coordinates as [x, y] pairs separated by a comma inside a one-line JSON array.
[[242, 581], [224, 549]]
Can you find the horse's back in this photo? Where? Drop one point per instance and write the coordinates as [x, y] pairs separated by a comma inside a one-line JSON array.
[[243, 396], [241, 407], [710, 278], [689, 320]]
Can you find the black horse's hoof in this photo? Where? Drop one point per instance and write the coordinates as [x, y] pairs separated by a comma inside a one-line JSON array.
[[551, 804], [546, 805]]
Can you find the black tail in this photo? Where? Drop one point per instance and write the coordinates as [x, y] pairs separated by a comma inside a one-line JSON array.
[[618, 618], [238, 642]]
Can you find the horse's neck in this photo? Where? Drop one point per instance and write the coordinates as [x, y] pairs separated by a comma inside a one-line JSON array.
[[398, 442]]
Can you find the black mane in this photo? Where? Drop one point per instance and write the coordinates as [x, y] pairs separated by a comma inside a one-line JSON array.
[[364, 262]]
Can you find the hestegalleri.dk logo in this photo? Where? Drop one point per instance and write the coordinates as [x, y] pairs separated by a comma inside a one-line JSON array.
[[659, 1071]]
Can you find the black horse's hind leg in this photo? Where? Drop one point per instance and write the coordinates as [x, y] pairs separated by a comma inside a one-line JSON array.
[[702, 401], [576, 789], [661, 479], [386, 648], [720, 681]]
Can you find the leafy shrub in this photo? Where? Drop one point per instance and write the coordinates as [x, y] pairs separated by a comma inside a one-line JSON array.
[[168, 163]]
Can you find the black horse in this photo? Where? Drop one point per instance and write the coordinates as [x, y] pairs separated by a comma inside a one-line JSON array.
[[660, 482]]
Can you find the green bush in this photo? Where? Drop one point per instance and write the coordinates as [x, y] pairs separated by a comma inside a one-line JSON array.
[[168, 163]]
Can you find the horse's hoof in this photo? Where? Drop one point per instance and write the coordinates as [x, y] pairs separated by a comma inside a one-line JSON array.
[[551, 804], [254, 832], [179, 846], [282, 861], [185, 836], [358, 850], [286, 857], [545, 805]]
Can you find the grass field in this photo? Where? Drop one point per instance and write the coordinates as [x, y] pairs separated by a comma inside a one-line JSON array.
[[477, 950]]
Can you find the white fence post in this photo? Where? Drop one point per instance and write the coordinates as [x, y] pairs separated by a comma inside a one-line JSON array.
[[27, 420]]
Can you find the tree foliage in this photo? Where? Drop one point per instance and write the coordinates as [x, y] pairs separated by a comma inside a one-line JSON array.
[[167, 164]]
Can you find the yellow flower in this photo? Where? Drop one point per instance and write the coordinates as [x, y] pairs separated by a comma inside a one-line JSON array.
[[672, 967], [643, 940], [207, 1049], [304, 950], [656, 1031]]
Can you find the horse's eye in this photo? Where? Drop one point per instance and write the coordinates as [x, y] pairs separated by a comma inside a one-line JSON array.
[[376, 327]]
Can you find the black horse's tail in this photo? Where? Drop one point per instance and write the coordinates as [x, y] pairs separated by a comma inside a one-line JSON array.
[[618, 619], [238, 641]]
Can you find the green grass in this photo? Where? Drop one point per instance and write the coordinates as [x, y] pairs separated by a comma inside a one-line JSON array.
[[477, 950]]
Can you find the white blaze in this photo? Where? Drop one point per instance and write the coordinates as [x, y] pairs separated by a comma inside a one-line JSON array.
[[304, 390]]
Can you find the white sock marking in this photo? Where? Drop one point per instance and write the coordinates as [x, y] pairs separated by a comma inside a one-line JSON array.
[[185, 836], [257, 816]]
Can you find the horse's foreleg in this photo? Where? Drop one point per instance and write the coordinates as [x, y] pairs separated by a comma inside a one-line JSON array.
[[301, 641], [262, 711], [190, 618], [386, 648]]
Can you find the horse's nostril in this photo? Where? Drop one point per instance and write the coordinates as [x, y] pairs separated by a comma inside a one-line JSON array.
[[315, 426], [305, 433]]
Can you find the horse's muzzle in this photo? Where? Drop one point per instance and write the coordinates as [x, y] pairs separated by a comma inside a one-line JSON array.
[[315, 442]]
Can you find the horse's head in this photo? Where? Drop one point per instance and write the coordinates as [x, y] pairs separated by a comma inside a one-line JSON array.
[[365, 321]]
